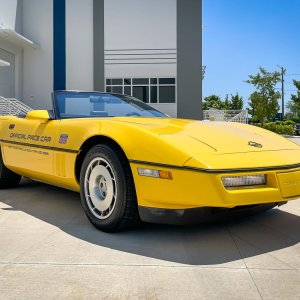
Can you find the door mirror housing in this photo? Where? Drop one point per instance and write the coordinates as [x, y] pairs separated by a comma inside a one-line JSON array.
[[41, 115]]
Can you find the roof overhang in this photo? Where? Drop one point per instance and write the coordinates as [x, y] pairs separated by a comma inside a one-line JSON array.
[[16, 39], [4, 63]]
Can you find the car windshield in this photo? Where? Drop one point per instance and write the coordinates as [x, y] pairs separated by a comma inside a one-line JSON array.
[[93, 104]]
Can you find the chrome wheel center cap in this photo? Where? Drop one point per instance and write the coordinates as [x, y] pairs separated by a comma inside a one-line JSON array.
[[103, 187]]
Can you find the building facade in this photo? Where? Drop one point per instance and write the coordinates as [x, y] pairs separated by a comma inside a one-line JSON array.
[[122, 46]]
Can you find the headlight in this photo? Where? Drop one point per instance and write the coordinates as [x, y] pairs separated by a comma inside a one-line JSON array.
[[235, 181]]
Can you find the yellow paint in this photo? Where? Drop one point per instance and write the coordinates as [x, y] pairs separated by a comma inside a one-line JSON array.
[[208, 145], [289, 183]]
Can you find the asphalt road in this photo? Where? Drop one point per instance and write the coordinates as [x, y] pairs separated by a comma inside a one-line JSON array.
[[48, 250]]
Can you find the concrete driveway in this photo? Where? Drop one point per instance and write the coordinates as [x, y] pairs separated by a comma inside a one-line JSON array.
[[48, 250]]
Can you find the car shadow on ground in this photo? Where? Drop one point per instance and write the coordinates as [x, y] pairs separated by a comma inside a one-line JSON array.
[[205, 244]]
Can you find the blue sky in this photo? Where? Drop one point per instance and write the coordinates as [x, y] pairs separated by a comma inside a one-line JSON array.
[[241, 35]]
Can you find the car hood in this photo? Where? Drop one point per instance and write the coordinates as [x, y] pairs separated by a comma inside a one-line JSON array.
[[217, 137], [212, 144]]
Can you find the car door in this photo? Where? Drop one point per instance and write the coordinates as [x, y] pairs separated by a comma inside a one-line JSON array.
[[28, 147]]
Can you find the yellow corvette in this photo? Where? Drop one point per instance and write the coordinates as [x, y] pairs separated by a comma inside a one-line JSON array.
[[132, 162]]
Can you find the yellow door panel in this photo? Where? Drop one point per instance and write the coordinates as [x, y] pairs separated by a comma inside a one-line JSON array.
[[28, 145]]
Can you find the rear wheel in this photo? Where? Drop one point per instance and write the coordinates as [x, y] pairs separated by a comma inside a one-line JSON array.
[[8, 179], [107, 190]]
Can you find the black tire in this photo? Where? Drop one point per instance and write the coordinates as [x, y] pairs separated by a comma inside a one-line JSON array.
[[8, 179], [95, 189]]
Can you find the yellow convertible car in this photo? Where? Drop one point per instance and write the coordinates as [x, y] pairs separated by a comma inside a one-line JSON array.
[[130, 161]]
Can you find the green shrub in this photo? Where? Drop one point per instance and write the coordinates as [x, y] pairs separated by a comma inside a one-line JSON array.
[[295, 119], [289, 122], [286, 127]]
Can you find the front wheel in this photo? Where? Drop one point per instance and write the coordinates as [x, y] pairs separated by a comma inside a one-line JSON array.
[[107, 190]]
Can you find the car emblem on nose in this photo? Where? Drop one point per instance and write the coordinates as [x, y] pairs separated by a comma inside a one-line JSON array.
[[254, 144]]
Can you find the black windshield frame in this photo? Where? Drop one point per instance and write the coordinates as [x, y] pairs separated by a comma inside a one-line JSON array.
[[125, 98]]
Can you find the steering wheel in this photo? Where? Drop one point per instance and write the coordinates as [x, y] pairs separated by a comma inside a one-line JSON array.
[[133, 114]]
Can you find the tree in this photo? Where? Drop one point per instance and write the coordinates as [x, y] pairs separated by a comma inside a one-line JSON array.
[[294, 104], [227, 103], [264, 101], [213, 101], [236, 102]]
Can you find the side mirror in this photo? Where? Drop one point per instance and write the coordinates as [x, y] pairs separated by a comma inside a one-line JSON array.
[[41, 115]]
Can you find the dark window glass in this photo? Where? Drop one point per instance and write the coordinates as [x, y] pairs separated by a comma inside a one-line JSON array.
[[117, 81], [127, 81], [127, 90], [141, 93], [117, 89], [140, 81], [167, 94], [108, 81], [153, 80], [153, 94], [166, 80], [108, 89]]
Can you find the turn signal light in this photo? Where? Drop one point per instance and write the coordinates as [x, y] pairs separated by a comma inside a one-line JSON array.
[[165, 175]]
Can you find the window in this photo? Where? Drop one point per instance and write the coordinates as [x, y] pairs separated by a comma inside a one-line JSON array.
[[114, 85], [94, 104], [114, 89], [153, 94], [127, 90], [116, 81], [167, 94], [149, 90], [166, 80], [141, 92], [127, 81], [140, 81]]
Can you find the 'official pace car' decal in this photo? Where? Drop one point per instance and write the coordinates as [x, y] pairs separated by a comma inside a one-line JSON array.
[[30, 137], [63, 138]]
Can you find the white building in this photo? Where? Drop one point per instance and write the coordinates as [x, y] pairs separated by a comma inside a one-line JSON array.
[[122, 46]]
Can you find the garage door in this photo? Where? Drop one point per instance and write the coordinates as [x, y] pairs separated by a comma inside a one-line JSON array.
[[7, 75]]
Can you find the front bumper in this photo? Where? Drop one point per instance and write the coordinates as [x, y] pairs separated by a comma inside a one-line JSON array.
[[193, 189]]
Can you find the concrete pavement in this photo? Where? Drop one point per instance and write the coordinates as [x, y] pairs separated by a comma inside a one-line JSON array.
[[48, 250]]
